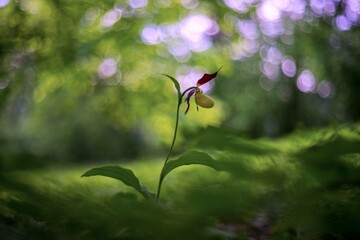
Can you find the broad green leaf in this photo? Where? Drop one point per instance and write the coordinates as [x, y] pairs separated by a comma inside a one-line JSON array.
[[177, 86], [123, 174], [193, 157]]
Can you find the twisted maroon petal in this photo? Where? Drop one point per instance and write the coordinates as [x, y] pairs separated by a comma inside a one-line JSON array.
[[188, 106], [187, 99], [207, 77]]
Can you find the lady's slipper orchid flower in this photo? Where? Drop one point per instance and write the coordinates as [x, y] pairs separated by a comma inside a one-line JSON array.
[[201, 99]]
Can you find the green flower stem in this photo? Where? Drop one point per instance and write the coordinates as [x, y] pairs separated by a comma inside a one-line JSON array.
[[161, 179], [170, 150]]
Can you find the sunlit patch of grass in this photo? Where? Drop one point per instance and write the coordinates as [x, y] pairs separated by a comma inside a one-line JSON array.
[[68, 178], [300, 140], [58, 179]]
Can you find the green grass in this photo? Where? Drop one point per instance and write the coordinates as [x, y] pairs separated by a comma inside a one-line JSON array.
[[302, 186]]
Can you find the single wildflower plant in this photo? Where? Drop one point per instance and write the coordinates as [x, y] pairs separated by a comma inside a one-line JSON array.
[[200, 99], [128, 177]]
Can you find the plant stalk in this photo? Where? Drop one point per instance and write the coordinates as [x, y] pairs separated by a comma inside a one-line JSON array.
[[170, 150], [173, 141]]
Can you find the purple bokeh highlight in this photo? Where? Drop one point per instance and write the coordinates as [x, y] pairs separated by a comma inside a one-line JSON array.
[[306, 81], [325, 89], [110, 18], [288, 67], [138, 3], [107, 68], [4, 3]]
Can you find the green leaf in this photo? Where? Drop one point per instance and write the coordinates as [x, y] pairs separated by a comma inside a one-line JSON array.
[[177, 86], [193, 157], [123, 174]]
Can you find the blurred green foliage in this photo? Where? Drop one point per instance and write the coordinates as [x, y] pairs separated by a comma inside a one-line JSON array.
[[80, 80], [302, 186]]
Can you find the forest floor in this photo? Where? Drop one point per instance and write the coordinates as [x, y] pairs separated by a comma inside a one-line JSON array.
[[302, 186]]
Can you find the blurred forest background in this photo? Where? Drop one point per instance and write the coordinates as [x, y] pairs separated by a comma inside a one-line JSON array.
[[81, 86], [80, 80]]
